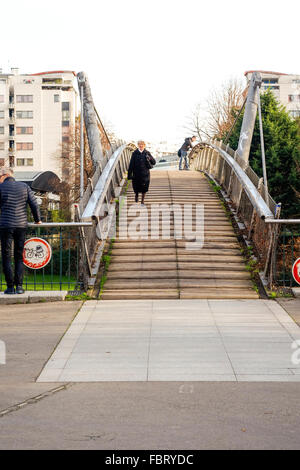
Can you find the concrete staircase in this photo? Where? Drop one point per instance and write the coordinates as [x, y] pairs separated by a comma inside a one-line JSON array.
[[164, 268]]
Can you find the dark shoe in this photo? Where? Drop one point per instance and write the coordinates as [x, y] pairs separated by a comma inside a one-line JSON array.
[[10, 290], [19, 290]]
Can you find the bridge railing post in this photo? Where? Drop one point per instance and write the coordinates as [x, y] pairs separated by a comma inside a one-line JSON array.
[[210, 161]]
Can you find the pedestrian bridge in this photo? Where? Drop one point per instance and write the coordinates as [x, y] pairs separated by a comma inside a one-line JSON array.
[[204, 253]]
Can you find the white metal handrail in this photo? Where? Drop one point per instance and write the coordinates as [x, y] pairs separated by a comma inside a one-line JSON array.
[[93, 207], [253, 194]]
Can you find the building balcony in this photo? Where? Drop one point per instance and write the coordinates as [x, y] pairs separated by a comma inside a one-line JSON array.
[[11, 150], [11, 119]]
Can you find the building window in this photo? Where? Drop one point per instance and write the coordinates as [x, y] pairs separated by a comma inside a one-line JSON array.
[[65, 115], [24, 98], [24, 130], [24, 114], [65, 123], [295, 113], [1, 145], [24, 145], [270, 81], [1, 98], [296, 81], [65, 106], [56, 98], [271, 87], [293, 98], [24, 161], [1, 114], [52, 80], [65, 138], [2, 161], [2, 130]]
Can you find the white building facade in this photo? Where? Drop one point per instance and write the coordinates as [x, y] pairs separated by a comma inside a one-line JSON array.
[[285, 87], [37, 113]]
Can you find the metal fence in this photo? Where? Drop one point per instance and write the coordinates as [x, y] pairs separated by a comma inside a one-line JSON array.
[[287, 252], [64, 271]]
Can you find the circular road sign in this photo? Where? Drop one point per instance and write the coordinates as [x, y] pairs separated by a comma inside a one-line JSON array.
[[296, 270], [37, 253]]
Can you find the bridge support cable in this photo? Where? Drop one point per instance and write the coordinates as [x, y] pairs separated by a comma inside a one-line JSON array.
[[263, 156]]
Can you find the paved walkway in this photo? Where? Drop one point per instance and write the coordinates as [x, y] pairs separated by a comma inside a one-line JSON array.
[[164, 268], [177, 340]]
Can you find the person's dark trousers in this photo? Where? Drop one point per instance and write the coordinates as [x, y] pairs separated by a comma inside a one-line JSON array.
[[8, 235]]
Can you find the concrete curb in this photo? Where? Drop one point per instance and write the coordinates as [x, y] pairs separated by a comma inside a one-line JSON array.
[[32, 297], [296, 291]]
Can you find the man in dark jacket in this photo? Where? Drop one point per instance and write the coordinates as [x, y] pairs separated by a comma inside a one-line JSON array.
[[187, 145], [14, 197]]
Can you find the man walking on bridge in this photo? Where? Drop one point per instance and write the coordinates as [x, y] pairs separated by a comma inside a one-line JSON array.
[[14, 197], [187, 145]]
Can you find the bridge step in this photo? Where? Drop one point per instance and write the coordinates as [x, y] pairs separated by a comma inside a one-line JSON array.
[[166, 269], [133, 284], [191, 257], [175, 294], [174, 274]]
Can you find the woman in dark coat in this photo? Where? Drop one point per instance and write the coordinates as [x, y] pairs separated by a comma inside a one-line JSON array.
[[139, 170]]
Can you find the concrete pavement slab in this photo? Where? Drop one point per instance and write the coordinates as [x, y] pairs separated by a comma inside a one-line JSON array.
[[176, 340]]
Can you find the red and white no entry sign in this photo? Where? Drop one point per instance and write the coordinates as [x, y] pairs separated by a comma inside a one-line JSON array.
[[37, 253], [296, 270]]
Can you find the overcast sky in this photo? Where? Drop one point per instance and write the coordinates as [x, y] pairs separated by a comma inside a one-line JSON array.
[[150, 62]]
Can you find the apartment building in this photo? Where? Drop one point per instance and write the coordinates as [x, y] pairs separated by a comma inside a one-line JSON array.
[[37, 115], [285, 87]]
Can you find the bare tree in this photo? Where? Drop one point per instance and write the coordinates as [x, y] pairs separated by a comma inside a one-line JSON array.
[[68, 159], [221, 105], [195, 124]]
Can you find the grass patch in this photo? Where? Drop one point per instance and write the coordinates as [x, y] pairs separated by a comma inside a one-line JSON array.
[[47, 282], [83, 296]]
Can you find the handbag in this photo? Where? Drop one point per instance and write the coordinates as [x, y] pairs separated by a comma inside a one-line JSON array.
[[148, 163]]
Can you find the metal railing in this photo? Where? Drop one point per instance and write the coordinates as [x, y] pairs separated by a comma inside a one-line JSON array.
[[246, 192], [110, 163], [277, 241], [105, 186]]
